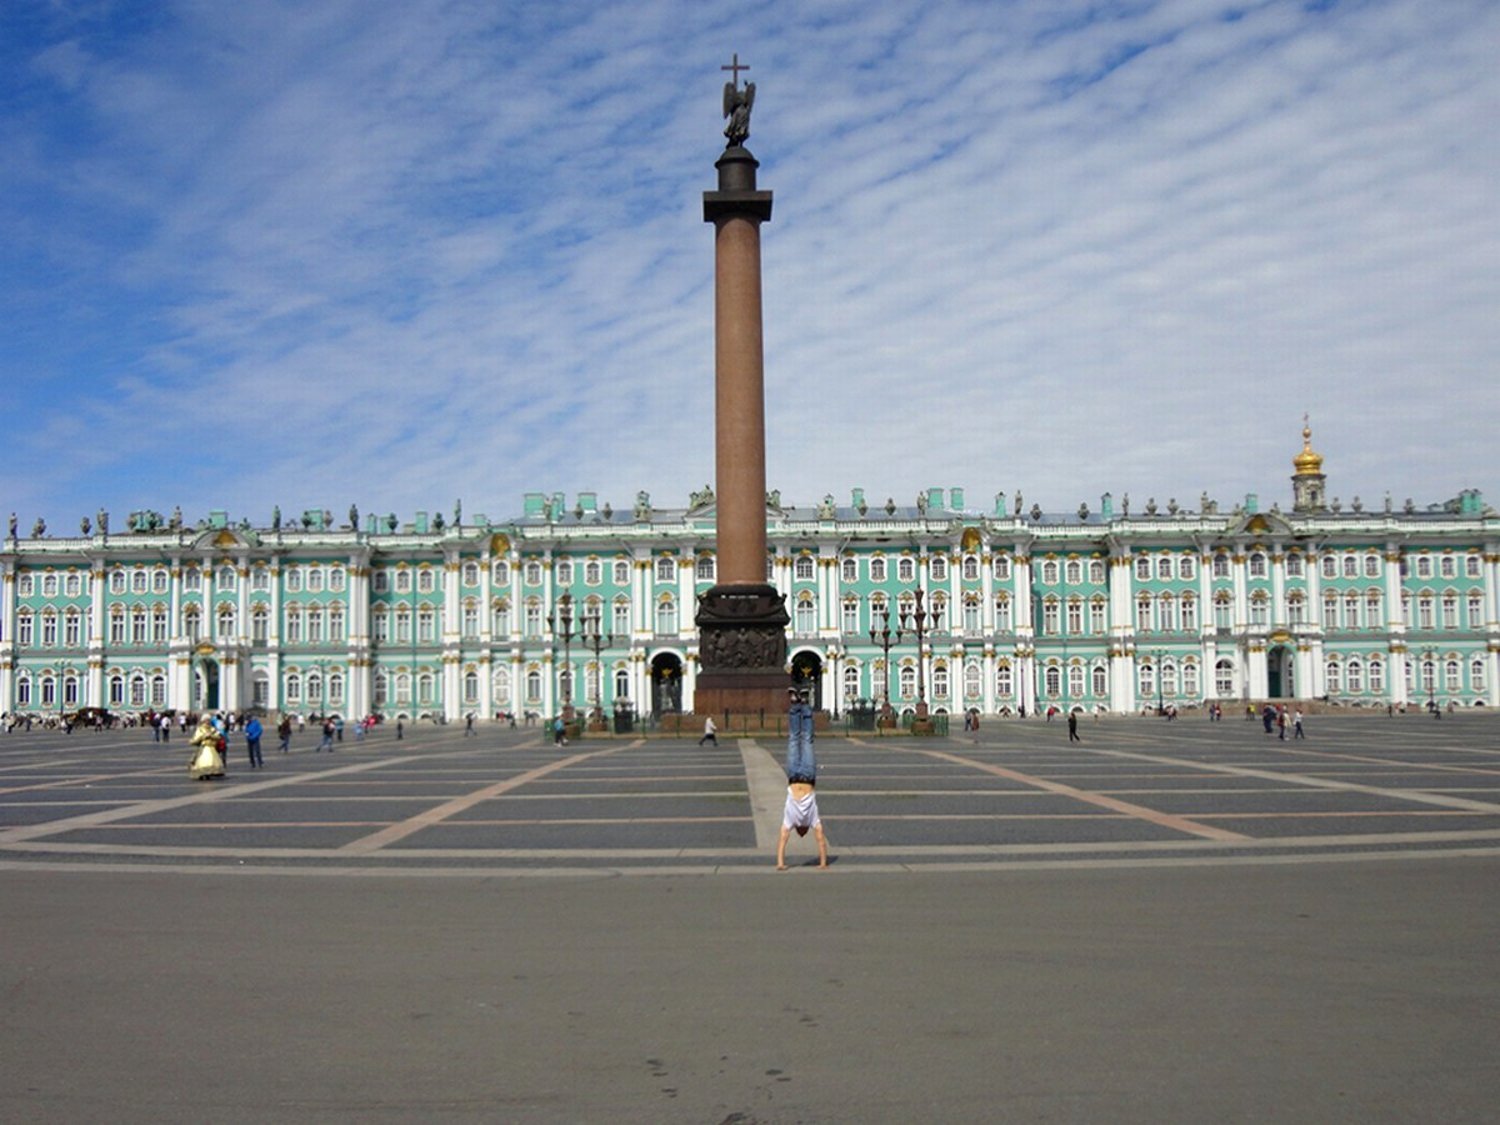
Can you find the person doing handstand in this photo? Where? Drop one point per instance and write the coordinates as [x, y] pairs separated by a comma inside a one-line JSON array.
[[800, 815], [802, 777]]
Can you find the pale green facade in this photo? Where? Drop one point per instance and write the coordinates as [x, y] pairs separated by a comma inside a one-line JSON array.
[[1111, 610]]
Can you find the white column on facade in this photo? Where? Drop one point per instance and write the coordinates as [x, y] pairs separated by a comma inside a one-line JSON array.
[[1237, 565], [1121, 633], [987, 594], [1278, 587], [641, 599], [7, 637]]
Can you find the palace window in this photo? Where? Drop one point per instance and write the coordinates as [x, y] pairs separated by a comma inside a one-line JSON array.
[[1050, 617], [1001, 567], [877, 569], [1166, 610], [73, 583], [116, 626], [71, 630], [315, 625], [564, 573], [139, 628], [1424, 611], [1143, 614], [1476, 610], [1187, 568], [1049, 573], [403, 626], [1002, 614], [500, 573], [470, 620], [973, 680], [666, 616], [315, 579], [1052, 681], [971, 568], [426, 625], [500, 618], [1004, 684], [1259, 609], [1075, 681], [1476, 674], [940, 681], [1294, 565], [1257, 565], [533, 617], [1330, 611], [1221, 565], [1471, 566], [1142, 568], [138, 580], [937, 567], [1101, 680], [533, 572], [806, 614], [260, 624], [1164, 567], [1372, 565], [471, 574], [1377, 675], [621, 613], [1424, 566], [849, 618], [1190, 613], [426, 582], [1168, 678], [803, 568], [1448, 566], [1096, 572], [1351, 566], [336, 622], [971, 617], [1351, 610], [621, 568], [336, 579], [1075, 616], [849, 569], [49, 630], [1097, 610], [1452, 676], [906, 569], [1073, 572], [1190, 679], [908, 681], [1224, 679], [294, 624], [1354, 676]]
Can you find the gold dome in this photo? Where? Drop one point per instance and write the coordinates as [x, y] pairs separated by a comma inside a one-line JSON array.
[[1307, 462]]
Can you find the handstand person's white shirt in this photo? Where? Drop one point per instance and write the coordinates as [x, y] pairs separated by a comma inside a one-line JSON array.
[[801, 812]]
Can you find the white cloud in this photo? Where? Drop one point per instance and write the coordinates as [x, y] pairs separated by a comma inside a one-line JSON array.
[[406, 254]]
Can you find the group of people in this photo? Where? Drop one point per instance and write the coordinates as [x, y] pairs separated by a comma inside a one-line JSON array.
[[1277, 718], [210, 738]]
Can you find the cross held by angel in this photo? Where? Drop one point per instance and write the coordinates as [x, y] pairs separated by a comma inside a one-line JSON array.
[[737, 103]]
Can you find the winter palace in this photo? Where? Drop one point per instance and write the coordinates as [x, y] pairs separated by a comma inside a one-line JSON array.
[[991, 610]]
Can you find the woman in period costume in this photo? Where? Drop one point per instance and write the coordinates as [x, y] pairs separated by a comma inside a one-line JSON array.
[[207, 761]]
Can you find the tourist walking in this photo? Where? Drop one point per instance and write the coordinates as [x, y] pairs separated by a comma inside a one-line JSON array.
[[1297, 724], [253, 731], [1073, 727], [284, 732], [710, 732]]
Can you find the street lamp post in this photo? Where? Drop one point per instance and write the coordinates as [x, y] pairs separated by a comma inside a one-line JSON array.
[[562, 626], [1159, 654], [596, 639], [883, 637], [914, 619], [1429, 673]]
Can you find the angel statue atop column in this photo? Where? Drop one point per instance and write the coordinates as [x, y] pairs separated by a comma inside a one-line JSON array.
[[737, 106]]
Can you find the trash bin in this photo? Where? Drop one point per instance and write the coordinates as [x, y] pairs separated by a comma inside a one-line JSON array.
[[624, 718]]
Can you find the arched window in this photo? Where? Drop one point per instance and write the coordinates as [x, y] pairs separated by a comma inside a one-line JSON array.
[[1294, 565], [1074, 572], [500, 686], [1354, 675], [1101, 681], [1049, 573], [622, 683], [666, 569], [1001, 567], [1190, 679], [906, 569], [973, 680], [533, 685], [1004, 682], [1377, 675], [1221, 565], [1052, 681], [1257, 565], [1075, 681], [705, 568], [1332, 680], [908, 681], [1476, 674], [1142, 568], [1164, 567], [937, 567], [666, 615], [806, 613], [849, 569], [622, 572], [471, 687], [804, 568], [500, 618], [940, 680], [877, 569], [971, 568]]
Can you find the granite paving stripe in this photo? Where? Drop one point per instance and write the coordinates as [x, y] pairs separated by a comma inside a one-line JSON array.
[[447, 834], [1164, 820], [432, 816]]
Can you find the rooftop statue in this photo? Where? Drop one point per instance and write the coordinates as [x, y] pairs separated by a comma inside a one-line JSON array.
[[737, 103]]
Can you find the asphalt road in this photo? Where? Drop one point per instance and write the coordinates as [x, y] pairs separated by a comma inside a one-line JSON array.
[[1169, 923]]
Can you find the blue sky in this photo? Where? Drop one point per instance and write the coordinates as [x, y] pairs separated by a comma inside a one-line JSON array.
[[400, 254]]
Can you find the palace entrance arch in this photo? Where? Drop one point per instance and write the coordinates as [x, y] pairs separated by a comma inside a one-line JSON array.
[[1281, 680], [666, 683]]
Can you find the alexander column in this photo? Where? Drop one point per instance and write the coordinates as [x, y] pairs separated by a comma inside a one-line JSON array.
[[742, 619]]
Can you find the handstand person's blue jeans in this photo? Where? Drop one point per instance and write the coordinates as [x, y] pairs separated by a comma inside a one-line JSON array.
[[800, 764]]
